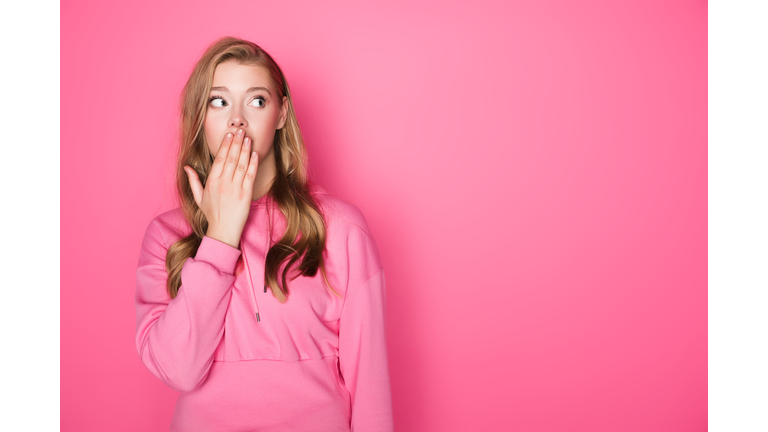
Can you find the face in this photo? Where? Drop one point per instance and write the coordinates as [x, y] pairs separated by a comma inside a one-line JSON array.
[[243, 96]]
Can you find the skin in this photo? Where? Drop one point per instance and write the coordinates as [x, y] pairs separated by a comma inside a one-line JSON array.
[[239, 127]]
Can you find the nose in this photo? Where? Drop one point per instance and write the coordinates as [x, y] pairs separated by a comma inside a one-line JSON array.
[[237, 120]]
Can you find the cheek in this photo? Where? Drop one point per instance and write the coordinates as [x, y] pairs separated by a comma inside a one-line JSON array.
[[270, 123], [210, 135], [213, 148], [262, 128]]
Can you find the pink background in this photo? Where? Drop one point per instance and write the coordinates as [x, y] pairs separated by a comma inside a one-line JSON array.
[[535, 174]]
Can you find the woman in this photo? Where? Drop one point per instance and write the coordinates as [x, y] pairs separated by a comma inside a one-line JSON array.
[[261, 299]]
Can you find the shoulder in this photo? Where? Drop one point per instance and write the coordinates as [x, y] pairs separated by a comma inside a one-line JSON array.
[[161, 233], [347, 228], [171, 225], [351, 249], [340, 215]]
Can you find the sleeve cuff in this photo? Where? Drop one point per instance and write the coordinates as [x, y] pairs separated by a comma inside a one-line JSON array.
[[218, 254]]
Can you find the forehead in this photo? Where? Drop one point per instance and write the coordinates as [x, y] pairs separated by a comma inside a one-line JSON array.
[[239, 77]]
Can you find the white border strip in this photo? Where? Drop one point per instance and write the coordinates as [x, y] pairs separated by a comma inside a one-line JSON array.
[[30, 206], [738, 216]]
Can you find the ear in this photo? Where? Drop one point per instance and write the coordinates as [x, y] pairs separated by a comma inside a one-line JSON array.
[[283, 113]]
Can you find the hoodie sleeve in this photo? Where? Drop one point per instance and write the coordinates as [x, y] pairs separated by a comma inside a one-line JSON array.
[[176, 339], [363, 346]]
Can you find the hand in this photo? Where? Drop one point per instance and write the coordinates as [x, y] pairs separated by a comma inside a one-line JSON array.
[[226, 199]]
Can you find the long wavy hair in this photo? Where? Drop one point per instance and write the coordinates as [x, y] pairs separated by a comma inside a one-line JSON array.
[[304, 237]]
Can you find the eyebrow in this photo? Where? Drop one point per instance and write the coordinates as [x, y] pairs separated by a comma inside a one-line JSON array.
[[252, 89]]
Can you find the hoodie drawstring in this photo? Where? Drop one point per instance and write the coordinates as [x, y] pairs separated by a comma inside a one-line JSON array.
[[254, 303]]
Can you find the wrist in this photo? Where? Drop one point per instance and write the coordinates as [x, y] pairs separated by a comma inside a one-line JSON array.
[[218, 254], [224, 237]]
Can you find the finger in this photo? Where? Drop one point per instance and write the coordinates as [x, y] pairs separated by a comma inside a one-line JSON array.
[[233, 156], [194, 184], [221, 157], [250, 174], [242, 164]]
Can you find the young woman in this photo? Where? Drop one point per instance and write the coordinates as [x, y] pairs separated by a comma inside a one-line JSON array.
[[261, 299]]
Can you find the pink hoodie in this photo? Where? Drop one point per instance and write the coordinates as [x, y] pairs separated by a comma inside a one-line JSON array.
[[244, 361]]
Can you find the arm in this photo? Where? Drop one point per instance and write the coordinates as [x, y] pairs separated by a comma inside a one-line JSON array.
[[363, 355], [176, 339]]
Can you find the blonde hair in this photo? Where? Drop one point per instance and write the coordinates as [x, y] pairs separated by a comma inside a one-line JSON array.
[[289, 189]]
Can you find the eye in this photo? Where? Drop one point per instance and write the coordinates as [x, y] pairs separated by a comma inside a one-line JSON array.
[[259, 101], [217, 101]]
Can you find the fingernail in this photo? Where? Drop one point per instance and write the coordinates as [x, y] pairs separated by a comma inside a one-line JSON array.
[[228, 135], [247, 141], [239, 132]]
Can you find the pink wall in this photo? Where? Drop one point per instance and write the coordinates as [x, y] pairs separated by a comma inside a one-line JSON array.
[[535, 174]]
